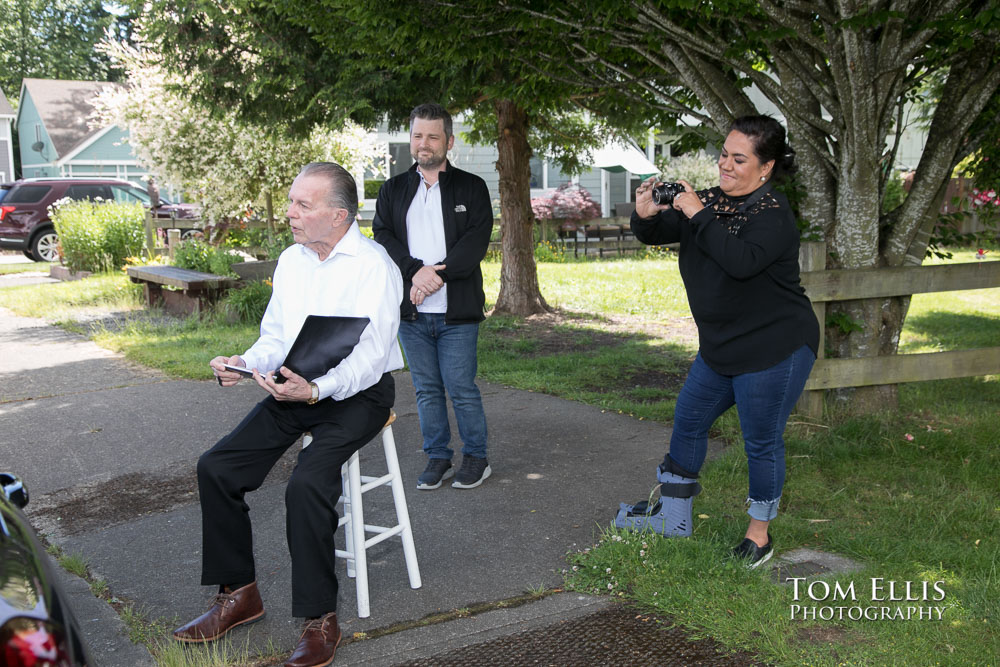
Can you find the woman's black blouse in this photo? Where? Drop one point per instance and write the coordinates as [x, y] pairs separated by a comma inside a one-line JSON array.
[[741, 272]]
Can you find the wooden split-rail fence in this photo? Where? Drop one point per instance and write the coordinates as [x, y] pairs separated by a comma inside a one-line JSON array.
[[823, 287]]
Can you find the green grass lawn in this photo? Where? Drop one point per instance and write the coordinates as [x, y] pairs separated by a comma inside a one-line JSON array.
[[72, 303], [952, 320], [913, 494], [25, 267], [650, 289]]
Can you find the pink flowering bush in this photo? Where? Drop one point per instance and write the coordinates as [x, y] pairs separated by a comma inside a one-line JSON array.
[[984, 198], [569, 202]]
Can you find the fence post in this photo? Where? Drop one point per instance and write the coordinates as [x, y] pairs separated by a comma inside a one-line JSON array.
[[150, 237], [173, 239], [812, 257]]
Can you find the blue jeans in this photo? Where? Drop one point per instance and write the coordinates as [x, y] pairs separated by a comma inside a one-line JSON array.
[[442, 357], [764, 400]]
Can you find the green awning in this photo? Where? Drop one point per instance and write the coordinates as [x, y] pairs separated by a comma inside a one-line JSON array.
[[617, 157]]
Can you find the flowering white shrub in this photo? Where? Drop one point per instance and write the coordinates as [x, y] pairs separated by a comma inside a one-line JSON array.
[[698, 169], [224, 162]]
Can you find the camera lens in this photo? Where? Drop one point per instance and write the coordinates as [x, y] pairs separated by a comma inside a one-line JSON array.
[[660, 194], [657, 194], [664, 193]]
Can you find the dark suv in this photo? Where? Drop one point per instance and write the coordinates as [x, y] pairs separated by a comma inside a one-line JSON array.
[[24, 210]]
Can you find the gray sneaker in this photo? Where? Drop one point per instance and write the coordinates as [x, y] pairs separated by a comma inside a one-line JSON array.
[[472, 473], [437, 470]]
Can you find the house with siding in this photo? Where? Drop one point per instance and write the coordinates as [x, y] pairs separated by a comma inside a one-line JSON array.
[[6, 140], [55, 136]]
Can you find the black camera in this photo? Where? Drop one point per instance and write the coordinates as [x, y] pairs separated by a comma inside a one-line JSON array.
[[664, 193]]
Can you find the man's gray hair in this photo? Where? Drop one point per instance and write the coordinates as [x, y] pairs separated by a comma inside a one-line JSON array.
[[432, 112], [343, 190]]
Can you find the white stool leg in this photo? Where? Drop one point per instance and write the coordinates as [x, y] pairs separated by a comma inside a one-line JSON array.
[[358, 535], [355, 530], [345, 484], [402, 513]]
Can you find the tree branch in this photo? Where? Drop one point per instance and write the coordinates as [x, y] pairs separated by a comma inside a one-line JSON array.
[[910, 47], [973, 85], [785, 16], [818, 87]]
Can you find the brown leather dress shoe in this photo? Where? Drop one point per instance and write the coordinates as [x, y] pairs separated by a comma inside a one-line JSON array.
[[226, 612], [318, 643]]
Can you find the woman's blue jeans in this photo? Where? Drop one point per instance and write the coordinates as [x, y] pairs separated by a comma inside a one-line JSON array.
[[442, 357], [764, 400]]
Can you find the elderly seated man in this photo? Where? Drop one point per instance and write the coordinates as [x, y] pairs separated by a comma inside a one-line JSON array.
[[332, 270]]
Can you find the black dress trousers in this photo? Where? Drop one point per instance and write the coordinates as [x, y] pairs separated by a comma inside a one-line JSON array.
[[239, 463]]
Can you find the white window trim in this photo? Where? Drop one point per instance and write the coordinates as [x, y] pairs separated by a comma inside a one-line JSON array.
[[605, 194], [99, 163], [546, 188]]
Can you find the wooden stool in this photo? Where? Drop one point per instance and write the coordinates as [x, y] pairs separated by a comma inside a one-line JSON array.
[[355, 485]]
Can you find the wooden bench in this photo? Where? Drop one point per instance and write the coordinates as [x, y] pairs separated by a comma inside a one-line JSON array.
[[617, 238], [193, 290]]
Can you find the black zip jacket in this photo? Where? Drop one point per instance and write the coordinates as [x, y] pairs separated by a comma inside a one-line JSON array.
[[468, 223]]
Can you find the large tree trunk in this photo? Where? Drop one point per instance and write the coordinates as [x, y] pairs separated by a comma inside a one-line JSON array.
[[519, 293], [269, 205], [861, 328]]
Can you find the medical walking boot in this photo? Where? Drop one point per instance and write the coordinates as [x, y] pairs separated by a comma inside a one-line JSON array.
[[668, 515]]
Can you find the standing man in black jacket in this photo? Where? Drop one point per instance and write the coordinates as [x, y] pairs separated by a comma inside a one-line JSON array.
[[435, 221]]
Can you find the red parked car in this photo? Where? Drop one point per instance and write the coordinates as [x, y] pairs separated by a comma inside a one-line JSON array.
[[24, 210]]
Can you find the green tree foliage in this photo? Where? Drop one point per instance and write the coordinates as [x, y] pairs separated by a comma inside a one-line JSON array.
[[53, 39], [307, 63], [229, 164]]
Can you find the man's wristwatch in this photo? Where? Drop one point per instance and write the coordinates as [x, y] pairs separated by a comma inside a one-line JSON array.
[[315, 394]]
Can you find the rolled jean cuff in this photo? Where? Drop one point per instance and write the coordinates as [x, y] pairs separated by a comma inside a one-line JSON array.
[[763, 510]]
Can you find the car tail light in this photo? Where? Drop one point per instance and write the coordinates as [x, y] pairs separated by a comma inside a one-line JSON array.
[[30, 643], [4, 210]]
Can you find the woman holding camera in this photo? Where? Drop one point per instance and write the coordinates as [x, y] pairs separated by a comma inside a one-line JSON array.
[[757, 334]]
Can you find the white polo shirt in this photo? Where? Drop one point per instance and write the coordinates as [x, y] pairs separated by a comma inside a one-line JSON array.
[[425, 237]]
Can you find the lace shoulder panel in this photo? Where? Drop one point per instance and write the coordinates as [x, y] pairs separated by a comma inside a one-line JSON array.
[[766, 202]]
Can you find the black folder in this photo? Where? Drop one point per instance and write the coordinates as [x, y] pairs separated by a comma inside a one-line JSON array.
[[322, 343]]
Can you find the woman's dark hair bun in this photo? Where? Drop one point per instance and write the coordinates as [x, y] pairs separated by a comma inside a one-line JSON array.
[[768, 137]]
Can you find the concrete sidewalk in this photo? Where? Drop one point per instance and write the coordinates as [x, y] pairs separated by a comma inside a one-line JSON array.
[[108, 451]]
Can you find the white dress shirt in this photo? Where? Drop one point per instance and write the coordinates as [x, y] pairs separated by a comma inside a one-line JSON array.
[[425, 238], [358, 279]]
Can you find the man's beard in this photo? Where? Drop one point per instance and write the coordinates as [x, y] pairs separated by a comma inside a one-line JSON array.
[[430, 162]]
